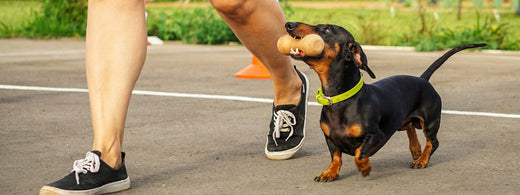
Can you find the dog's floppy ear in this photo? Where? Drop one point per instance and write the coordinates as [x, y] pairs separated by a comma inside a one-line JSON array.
[[360, 58]]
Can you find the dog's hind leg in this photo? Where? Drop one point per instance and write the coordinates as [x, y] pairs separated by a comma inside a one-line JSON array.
[[415, 145], [430, 129]]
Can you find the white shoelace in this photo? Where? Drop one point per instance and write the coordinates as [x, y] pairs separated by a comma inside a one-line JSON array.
[[90, 163], [283, 122]]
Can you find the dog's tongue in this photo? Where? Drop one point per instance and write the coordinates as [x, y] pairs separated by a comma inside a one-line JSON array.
[[302, 54]]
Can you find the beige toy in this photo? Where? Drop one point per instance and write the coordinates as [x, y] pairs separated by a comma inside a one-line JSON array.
[[310, 45]]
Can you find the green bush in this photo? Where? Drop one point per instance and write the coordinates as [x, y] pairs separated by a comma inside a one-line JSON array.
[[14, 17], [8, 30], [58, 18], [198, 26], [495, 34], [372, 32], [67, 18]]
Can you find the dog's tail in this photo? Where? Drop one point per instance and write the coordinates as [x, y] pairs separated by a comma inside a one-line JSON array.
[[428, 73]]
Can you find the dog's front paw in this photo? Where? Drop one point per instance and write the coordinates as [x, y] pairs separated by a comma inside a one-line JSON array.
[[418, 164], [326, 176], [421, 162], [363, 165]]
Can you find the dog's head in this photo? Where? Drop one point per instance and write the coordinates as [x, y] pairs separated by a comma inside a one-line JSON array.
[[339, 45]]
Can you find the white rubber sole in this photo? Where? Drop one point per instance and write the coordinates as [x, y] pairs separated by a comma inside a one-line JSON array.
[[283, 155], [107, 188]]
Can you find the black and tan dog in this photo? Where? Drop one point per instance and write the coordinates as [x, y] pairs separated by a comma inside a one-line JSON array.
[[357, 118]]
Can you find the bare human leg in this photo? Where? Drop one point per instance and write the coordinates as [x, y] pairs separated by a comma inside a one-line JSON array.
[[115, 53], [258, 24]]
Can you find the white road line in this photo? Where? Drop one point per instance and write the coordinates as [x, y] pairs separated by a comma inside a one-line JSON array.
[[34, 88], [203, 96], [490, 114], [227, 97]]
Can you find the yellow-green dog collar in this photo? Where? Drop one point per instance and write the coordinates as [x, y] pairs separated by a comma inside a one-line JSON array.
[[327, 101]]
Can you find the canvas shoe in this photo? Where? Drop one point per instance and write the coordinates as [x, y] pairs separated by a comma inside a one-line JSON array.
[[287, 127], [90, 176]]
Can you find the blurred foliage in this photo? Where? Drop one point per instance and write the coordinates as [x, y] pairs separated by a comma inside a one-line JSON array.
[[495, 34], [194, 25], [58, 18], [389, 25]]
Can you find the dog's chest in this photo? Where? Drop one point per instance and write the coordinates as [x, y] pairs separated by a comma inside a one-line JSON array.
[[344, 133]]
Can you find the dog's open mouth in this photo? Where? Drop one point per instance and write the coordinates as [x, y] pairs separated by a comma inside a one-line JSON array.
[[297, 51], [302, 52]]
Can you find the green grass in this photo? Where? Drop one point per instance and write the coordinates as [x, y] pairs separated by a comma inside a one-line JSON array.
[[14, 16], [373, 26], [378, 27], [58, 18]]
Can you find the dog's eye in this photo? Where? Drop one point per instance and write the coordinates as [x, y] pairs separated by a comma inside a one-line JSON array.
[[325, 29]]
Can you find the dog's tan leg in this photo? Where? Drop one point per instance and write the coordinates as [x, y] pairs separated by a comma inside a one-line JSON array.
[[422, 161], [363, 164], [333, 171], [415, 145]]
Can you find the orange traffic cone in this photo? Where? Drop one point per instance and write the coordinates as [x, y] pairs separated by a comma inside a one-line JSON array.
[[256, 70]]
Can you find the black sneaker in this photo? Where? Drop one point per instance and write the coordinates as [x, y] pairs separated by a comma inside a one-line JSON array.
[[287, 127], [90, 176]]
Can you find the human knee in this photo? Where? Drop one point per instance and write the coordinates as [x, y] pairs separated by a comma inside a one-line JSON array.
[[230, 7]]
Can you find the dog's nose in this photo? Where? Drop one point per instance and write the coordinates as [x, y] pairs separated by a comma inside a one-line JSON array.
[[290, 26]]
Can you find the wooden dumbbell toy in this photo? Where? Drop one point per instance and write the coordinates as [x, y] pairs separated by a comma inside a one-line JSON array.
[[310, 45]]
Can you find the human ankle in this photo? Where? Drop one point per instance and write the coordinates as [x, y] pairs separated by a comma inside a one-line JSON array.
[[111, 157], [290, 94], [113, 161]]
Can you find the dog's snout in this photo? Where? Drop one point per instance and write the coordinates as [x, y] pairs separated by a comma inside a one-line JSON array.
[[290, 26]]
